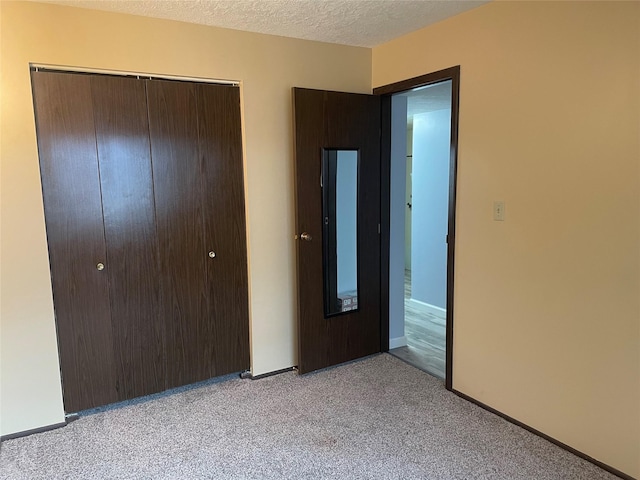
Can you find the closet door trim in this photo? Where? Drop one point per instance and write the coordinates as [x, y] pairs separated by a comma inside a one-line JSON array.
[[40, 67]]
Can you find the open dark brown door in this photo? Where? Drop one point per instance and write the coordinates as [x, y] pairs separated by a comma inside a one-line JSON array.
[[337, 160]]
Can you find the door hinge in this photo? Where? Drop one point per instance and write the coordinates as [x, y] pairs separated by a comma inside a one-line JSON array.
[[378, 229]]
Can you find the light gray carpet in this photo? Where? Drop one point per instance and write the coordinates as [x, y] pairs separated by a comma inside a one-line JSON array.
[[377, 418]]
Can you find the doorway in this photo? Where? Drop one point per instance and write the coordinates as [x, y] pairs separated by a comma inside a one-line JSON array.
[[421, 152], [334, 328]]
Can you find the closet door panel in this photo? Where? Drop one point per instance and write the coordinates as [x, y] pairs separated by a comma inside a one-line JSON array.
[[177, 176], [122, 136], [75, 234], [221, 147]]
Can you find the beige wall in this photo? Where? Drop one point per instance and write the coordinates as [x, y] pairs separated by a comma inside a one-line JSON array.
[[547, 312], [267, 66], [547, 303]]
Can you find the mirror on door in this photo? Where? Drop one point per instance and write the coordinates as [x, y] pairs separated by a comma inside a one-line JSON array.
[[340, 230]]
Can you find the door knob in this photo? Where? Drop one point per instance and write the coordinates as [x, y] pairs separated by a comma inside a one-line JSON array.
[[212, 254], [305, 236], [100, 267]]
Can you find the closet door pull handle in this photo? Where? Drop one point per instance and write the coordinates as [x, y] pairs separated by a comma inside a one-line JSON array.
[[212, 254], [100, 267]]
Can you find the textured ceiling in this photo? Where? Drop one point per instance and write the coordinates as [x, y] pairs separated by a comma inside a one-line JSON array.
[[364, 23]]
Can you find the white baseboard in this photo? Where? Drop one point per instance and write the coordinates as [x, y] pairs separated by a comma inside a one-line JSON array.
[[439, 313], [398, 342]]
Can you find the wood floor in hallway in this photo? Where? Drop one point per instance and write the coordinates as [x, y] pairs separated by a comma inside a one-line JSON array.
[[426, 333]]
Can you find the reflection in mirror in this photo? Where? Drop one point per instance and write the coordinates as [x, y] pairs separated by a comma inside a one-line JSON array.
[[340, 230]]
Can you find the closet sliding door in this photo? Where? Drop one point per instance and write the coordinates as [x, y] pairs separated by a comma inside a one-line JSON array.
[[144, 207], [221, 147], [197, 169], [76, 238], [122, 140]]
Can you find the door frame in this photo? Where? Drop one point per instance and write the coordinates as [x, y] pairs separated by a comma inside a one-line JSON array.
[[385, 92]]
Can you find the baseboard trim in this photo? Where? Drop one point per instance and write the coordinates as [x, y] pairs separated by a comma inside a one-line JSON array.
[[398, 342], [26, 433], [428, 308], [564, 446], [270, 374]]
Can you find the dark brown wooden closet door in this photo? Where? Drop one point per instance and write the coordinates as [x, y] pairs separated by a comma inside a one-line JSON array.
[[73, 210], [122, 134], [223, 188], [178, 181], [197, 164]]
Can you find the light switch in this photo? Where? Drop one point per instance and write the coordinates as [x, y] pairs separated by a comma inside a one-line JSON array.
[[498, 210]]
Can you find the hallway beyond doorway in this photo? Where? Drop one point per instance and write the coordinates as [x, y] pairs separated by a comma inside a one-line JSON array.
[[425, 332]]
